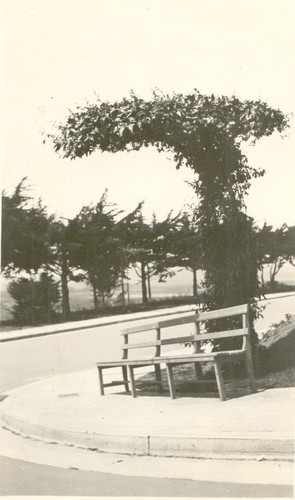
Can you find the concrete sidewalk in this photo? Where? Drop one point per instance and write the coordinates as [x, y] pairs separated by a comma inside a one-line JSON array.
[[69, 410]]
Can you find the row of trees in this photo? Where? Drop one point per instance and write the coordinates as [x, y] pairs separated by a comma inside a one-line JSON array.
[[101, 243], [98, 246]]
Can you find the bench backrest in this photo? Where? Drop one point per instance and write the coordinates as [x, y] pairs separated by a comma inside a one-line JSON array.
[[240, 312], [154, 330], [196, 337]]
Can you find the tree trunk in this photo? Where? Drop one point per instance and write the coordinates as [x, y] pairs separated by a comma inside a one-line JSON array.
[[195, 283], [149, 282], [261, 293], [262, 278], [33, 319], [48, 302], [123, 290], [143, 283], [94, 293], [274, 269], [64, 287], [128, 294], [272, 281]]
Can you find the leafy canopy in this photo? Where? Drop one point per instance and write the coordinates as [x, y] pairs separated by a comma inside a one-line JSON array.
[[202, 131], [183, 123]]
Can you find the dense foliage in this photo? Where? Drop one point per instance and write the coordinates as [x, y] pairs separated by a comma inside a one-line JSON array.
[[35, 299], [25, 243]]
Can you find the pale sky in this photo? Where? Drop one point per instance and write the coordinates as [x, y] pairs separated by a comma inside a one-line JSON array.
[[55, 54]]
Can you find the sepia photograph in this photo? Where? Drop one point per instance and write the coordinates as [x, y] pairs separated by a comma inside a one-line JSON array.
[[147, 328]]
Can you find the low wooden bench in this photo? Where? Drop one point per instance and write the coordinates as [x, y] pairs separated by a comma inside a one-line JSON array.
[[197, 337], [131, 343]]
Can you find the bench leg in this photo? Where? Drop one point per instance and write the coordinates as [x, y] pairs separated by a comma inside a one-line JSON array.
[[170, 381], [158, 377], [100, 379], [125, 378], [250, 370], [132, 381], [219, 380]]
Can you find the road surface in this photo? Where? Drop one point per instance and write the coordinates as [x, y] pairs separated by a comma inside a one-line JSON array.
[[24, 478]]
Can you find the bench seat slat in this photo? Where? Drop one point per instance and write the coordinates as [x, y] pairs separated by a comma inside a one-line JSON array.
[[123, 362], [110, 364], [139, 363], [202, 356], [185, 358]]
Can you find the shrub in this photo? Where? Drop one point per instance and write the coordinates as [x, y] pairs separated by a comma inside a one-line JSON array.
[[34, 299]]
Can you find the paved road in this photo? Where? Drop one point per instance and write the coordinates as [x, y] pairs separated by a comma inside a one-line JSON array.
[[24, 361], [24, 478]]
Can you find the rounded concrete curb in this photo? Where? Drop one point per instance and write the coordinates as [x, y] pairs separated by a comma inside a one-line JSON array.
[[196, 446], [151, 426]]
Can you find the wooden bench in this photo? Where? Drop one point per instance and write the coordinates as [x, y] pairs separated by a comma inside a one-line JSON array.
[[131, 343], [197, 337]]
